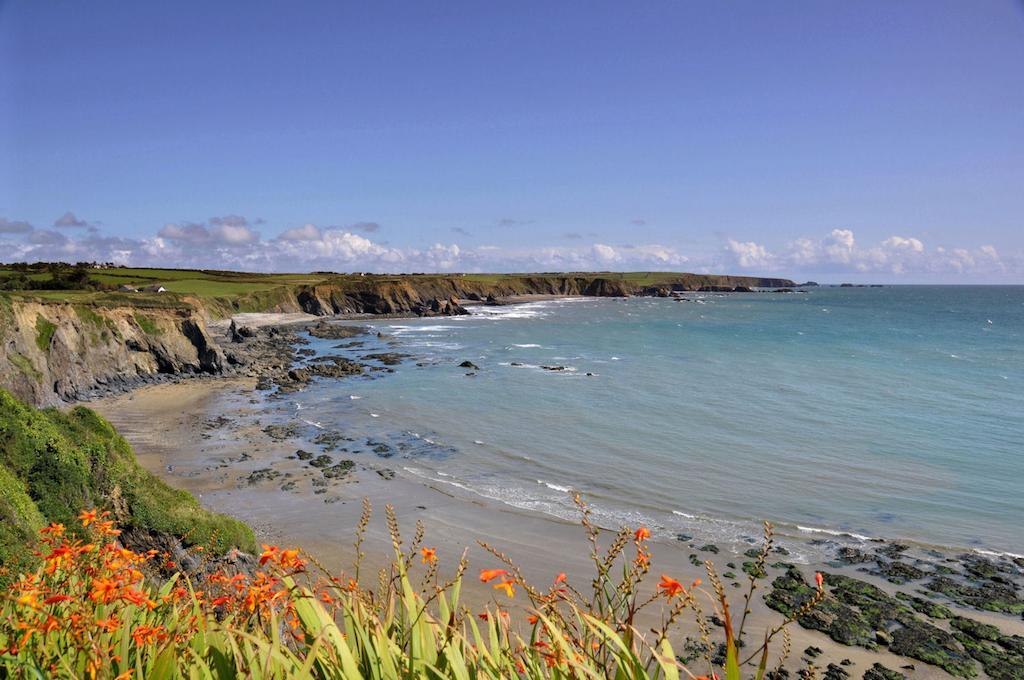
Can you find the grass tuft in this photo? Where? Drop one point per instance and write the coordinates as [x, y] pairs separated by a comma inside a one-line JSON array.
[[44, 333]]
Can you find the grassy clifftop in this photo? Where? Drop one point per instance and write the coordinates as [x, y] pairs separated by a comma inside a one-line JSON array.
[[53, 464], [222, 293]]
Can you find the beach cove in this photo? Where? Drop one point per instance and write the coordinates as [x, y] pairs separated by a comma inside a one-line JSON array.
[[237, 450]]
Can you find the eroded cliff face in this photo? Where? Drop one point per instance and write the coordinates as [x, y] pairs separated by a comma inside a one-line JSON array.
[[440, 295], [58, 352]]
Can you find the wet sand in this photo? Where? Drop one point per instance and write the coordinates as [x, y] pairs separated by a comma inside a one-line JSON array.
[[211, 439]]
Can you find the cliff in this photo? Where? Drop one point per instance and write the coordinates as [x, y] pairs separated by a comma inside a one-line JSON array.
[[428, 295], [51, 352]]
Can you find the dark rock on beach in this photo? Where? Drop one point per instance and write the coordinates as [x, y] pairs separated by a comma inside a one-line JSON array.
[[262, 475], [850, 555], [880, 672], [281, 432], [329, 440], [987, 595], [925, 642], [897, 572], [338, 471], [333, 331], [386, 358]]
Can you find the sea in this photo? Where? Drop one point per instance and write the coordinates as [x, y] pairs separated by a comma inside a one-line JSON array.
[[856, 413]]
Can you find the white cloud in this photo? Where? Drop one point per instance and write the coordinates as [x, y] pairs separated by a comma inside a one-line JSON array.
[[898, 242], [228, 231], [69, 221], [307, 232], [750, 255], [605, 253], [840, 253], [230, 242], [14, 226], [234, 234]]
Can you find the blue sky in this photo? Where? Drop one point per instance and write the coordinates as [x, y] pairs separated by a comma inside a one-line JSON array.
[[857, 141]]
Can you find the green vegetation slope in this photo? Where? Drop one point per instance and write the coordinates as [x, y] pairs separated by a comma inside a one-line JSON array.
[[53, 464]]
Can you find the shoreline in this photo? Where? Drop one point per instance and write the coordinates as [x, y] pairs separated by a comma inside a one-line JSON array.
[[204, 436]]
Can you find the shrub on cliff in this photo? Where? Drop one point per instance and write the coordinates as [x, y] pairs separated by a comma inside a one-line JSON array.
[[52, 464]]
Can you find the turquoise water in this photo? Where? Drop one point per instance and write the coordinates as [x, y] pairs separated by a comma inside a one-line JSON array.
[[892, 412]]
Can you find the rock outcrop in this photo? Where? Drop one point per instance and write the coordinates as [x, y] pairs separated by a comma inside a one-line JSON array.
[[60, 352]]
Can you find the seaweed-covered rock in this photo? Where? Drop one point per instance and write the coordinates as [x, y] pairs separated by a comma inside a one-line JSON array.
[[752, 569], [839, 621], [893, 550], [880, 672], [976, 629], [988, 595], [897, 572], [321, 461], [338, 471], [924, 642], [924, 606], [850, 555], [835, 672], [329, 440], [1002, 656], [281, 432], [262, 475]]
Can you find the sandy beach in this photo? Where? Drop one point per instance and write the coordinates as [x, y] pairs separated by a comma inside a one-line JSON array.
[[220, 441]]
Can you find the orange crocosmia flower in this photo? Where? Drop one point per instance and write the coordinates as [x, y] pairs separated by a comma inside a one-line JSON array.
[[819, 579], [133, 596], [103, 590], [54, 599], [289, 559], [642, 534], [429, 555], [219, 601], [87, 517], [488, 575], [55, 530], [560, 578], [531, 619], [109, 625], [484, 616], [506, 585], [106, 528], [670, 586], [270, 554], [28, 600]]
